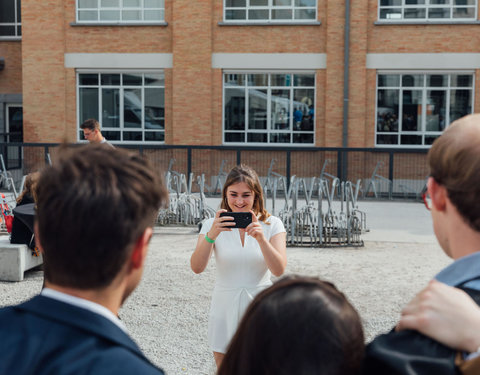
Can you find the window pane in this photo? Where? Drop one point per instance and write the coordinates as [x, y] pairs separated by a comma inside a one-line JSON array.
[[111, 135], [111, 108], [383, 139], [153, 15], [257, 137], [234, 79], [282, 2], [258, 3], [464, 12], [303, 138], [235, 14], [154, 108], [257, 109], [110, 79], [460, 104], [7, 30], [258, 14], [415, 13], [303, 109], [234, 137], [464, 2], [87, 4], [131, 3], [305, 3], [155, 136], [280, 138], [411, 80], [234, 109], [235, 3], [257, 80], [436, 109], [131, 15], [154, 4], [132, 136], [439, 1], [154, 79], [7, 11], [304, 80], [87, 15], [391, 14], [19, 13], [389, 80], [437, 80], [412, 110], [390, 2], [430, 138], [281, 14], [88, 79], [88, 103], [414, 2], [305, 14], [280, 80], [280, 109], [408, 139], [132, 79], [439, 13], [109, 15], [110, 3], [132, 108], [387, 111], [463, 80]]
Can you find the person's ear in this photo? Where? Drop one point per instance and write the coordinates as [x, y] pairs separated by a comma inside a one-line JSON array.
[[438, 194], [139, 253]]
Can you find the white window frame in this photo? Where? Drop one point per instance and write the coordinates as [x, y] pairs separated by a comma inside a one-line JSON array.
[[422, 132], [121, 129], [427, 6], [269, 129], [270, 7], [120, 8], [16, 24]]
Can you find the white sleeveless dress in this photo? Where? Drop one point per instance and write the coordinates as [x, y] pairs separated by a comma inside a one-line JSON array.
[[241, 274]]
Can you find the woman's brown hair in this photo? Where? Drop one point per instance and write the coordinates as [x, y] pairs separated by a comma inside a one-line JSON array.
[[243, 173]]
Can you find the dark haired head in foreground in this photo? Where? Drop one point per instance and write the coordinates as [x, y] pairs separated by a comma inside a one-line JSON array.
[[300, 325], [95, 210]]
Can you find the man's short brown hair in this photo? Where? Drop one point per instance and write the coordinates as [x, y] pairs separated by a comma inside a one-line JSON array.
[[454, 161], [93, 204], [90, 124]]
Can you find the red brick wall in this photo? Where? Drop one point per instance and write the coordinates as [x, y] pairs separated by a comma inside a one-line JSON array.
[[11, 75]]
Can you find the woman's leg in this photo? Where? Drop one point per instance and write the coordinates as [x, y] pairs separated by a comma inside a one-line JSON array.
[[218, 358]]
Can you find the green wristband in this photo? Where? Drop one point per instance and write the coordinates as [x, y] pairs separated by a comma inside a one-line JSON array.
[[208, 239]]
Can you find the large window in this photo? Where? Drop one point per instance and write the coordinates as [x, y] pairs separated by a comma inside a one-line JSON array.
[[423, 10], [129, 106], [124, 11], [414, 108], [270, 10], [10, 19], [272, 108]]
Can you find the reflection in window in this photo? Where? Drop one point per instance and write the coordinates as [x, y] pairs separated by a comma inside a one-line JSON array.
[[269, 108], [130, 107], [422, 10], [414, 109], [270, 10]]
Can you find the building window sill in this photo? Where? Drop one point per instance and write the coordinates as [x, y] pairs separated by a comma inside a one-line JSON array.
[[10, 38], [268, 23], [425, 22], [116, 24]]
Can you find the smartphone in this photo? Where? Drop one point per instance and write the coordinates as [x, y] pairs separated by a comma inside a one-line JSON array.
[[241, 219]]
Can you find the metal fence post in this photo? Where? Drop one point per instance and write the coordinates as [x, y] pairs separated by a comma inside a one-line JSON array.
[[239, 157], [288, 169], [390, 172]]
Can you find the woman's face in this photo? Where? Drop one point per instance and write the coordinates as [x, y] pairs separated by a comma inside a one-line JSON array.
[[240, 198]]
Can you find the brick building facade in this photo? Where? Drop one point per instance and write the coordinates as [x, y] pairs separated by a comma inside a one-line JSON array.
[[239, 72]]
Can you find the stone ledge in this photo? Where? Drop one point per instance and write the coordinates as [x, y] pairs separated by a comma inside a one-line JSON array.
[[15, 259]]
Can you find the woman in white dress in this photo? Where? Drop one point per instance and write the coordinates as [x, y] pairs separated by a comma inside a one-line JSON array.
[[245, 258]]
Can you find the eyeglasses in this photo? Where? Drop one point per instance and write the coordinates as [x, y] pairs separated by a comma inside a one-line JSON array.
[[427, 200], [88, 134]]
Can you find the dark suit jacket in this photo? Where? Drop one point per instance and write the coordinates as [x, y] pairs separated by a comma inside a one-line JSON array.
[[45, 336]]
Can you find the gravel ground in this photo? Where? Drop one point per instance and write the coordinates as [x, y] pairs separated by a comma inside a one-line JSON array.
[[167, 314]]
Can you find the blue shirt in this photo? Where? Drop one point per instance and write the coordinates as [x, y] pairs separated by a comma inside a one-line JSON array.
[[462, 270]]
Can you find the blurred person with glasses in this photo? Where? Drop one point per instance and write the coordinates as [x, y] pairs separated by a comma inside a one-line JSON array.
[[417, 346]]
